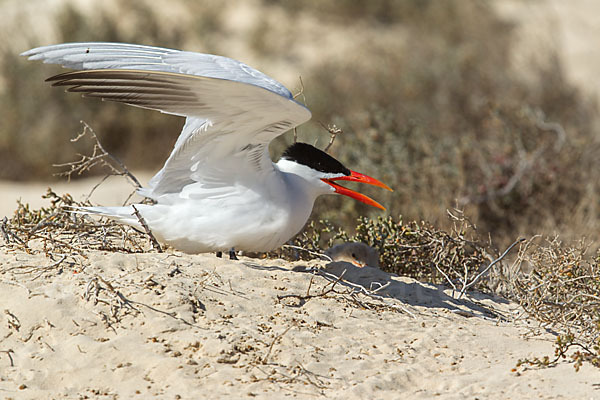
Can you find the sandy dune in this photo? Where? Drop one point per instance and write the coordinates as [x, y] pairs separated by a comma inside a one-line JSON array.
[[179, 326]]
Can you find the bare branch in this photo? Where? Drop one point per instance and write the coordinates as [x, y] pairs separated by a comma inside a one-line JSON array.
[[99, 156], [8, 353], [474, 281], [275, 339], [142, 221], [541, 123], [333, 132], [301, 92]]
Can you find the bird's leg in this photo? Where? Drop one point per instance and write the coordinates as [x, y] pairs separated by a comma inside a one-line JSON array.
[[232, 255], [219, 254]]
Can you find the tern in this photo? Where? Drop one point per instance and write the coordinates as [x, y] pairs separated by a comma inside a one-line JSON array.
[[219, 189]]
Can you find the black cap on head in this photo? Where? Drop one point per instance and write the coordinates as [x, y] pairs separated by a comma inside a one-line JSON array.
[[305, 154]]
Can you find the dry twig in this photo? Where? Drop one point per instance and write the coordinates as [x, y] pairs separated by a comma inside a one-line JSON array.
[[275, 339], [56, 231], [333, 132], [300, 93], [142, 221], [99, 156], [467, 286], [8, 353]]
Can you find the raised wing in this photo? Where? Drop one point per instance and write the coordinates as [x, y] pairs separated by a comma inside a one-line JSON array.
[[233, 111], [100, 55]]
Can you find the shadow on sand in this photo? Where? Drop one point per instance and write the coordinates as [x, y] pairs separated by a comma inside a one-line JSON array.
[[406, 290]]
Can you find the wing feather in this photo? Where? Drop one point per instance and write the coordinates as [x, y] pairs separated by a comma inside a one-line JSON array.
[[233, 110], [100, 55]]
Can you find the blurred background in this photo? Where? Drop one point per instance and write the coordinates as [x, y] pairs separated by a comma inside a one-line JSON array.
[[488, 106]]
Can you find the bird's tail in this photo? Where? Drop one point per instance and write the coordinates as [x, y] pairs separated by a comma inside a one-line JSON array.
[[126, 215]]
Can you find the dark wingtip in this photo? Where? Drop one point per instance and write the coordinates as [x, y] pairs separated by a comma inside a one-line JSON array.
[[56, 80]]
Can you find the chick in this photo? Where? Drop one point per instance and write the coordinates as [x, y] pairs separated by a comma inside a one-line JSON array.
[[356, 253]]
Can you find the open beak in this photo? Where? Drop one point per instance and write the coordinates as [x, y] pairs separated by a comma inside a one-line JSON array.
[[357, 177]]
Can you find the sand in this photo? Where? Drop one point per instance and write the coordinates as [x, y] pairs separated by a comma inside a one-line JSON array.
[[180, 326], [171, 325]]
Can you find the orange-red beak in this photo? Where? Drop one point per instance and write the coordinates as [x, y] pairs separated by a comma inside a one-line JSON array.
[[357, 177]]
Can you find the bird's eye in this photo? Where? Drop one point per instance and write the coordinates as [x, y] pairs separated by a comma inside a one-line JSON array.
[[353, 255]]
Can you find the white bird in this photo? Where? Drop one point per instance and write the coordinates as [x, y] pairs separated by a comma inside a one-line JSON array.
[[219, 189]]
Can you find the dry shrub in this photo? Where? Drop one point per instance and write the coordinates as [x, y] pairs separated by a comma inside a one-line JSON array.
[[559, 286], [424, 252], [60, 234], [414, 249]]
